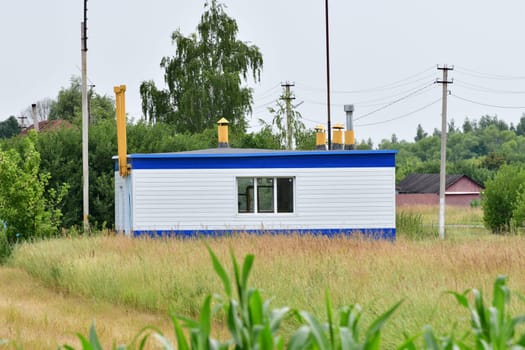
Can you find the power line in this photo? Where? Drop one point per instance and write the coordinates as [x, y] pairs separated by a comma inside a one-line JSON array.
[[376, 101], [385, 87], [417, 91], [486, 89], [265, 104], [486, 104], [483, 75], [395, 101], [268, 92], [401, 116], [391, 86]]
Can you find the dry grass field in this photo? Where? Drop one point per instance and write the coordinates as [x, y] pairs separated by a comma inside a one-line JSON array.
[[150, 277], [50, 290], [37, 317]]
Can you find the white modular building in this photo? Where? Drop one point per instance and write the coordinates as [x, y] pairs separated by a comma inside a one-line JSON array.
[[224, 191]]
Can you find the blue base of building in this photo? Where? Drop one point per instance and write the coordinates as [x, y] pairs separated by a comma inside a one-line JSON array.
[[376, 233]]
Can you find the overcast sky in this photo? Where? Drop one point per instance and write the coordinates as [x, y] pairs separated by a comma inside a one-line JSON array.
[[384, 55]]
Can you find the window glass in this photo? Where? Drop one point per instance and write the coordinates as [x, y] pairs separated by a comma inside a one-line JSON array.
[[285, 195], [245, 196], [265, 195]]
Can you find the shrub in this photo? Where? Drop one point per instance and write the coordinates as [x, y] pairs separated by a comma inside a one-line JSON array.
[[27, 208], [501, 196]]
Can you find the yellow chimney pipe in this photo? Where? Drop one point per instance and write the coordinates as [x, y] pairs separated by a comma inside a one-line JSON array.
[[349, 139], [120, 93], [337, 142], [320, 137], [223, 133]]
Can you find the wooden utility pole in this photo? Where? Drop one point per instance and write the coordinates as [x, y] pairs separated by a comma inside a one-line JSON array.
[[443, 165], [329, 122], [36, 123], [85, 123], [288, 97]]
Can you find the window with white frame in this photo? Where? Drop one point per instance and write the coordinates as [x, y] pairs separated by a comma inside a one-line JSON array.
[[265, 194]]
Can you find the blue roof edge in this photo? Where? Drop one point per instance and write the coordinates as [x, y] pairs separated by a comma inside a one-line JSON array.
[[269, 153]]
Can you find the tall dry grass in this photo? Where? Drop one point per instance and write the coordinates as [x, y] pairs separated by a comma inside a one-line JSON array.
[[172, 274], [35, 317], [455, 215]]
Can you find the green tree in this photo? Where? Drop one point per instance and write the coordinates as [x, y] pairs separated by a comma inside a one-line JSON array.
[[27, 208], [287, 121], [365, 144], [520, 128], [204, 77], [420, 133], [487, 120], [68, 105], [263, 139], [468, 126], [9, 128], [501, 197]]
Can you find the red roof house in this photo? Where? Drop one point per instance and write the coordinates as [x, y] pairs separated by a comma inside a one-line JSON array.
[[47, 125], [423, 189]]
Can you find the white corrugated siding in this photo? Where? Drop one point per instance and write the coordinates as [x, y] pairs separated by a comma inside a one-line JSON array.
[[193, 199], [123, 203]]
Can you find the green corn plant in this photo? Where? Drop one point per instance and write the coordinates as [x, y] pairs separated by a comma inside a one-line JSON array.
[[340, 334], [492, 327], [433, 342], [92, 342], [251, 322]]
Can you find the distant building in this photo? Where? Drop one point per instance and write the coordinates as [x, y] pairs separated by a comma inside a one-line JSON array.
[[47, 125], [423, 189]]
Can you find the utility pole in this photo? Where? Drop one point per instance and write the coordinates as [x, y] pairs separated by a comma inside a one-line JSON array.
[[36, 124], [443, 165], [22, 121], [85, 123], [328, 75], [288, 97], [90, 95]]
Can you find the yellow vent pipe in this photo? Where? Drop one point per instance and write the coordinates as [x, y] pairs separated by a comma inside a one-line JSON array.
[[320, 137], [120, 93], [337, 141], [223, 133]]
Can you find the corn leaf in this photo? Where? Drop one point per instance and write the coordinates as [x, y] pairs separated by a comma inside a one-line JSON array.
[[276, 316], [317, 330], [329, 314], [93, 338], [461, 298], [266, 339], [256, 307], [166, 344], [429, 339], [205, 318], [347, 342], [182, 343], [376, 326], [246, 268], [219, 269], [84, 342], [300, 339]]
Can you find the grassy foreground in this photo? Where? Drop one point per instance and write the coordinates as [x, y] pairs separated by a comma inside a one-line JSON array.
[[37, 317], [161, 275]]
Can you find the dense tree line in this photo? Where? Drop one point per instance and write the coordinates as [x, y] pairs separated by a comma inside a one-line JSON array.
[[478, 149]]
